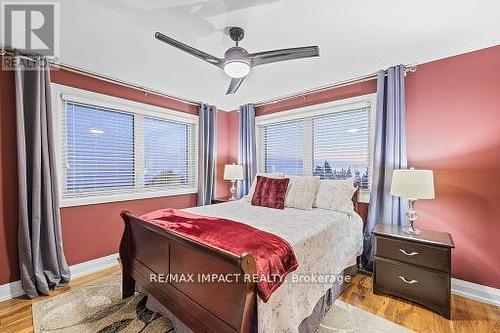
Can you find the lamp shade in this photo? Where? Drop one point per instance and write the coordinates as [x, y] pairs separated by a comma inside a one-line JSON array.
[[413, 184], [233, 172]]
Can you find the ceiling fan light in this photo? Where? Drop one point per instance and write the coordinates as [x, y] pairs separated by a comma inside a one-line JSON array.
[[237, 69]]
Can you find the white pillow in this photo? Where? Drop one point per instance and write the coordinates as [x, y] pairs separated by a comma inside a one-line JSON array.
[[275, 175], [335, 195], [301, 191]]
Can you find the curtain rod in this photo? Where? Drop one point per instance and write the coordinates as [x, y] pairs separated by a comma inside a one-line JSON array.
[[101, 77], [359, 79]]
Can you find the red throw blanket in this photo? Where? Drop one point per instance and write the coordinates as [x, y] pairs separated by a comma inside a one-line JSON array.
[[273, 255]]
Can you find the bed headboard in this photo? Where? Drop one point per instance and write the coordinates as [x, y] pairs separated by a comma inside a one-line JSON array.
[[357, 208], [355, 200]]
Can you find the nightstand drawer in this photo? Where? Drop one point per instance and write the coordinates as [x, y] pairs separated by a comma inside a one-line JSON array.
[[427, 287], [413, 253]]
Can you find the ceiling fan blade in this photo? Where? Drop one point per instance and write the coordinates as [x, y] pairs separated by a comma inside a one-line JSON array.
[[190, 50], [234, 85], [267, 57]]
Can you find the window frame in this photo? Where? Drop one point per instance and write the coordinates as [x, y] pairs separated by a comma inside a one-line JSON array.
[[364, 101], [61, 93]]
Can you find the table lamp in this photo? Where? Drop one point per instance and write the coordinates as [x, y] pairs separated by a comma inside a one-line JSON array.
[[414, 185], [233, 172]]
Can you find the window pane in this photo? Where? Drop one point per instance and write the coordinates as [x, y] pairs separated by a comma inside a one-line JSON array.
[[99, 149], [341, 146], [284, 147], [166, 153], [332, 145]]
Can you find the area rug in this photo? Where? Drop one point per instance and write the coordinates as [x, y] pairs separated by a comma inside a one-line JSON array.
[[97, 307], [343, 317]]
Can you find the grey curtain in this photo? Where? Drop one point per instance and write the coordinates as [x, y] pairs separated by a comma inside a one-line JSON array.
[[247, 155], [207, 154], [41, 258], [389, 154]]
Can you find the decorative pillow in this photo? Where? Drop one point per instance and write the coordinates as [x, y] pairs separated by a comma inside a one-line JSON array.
[[301, 192], [270, 192], [275, 175], [335, 195]]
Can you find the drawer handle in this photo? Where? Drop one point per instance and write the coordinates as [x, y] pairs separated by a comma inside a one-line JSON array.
[[407, 281], [408, 254]]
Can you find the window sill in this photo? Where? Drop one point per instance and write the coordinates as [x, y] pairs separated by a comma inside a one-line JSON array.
[[364, 197], [151, 193]]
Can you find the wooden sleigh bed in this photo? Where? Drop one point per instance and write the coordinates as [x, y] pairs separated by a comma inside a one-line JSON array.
[[148, 251]]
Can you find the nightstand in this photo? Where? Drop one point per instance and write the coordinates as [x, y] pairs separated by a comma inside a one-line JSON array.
[[413, 267], [220, 200]]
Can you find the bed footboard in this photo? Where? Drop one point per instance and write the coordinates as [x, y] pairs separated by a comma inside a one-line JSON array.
[[204, 287]]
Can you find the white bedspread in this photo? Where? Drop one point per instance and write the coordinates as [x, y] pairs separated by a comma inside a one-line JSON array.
[[325, 243]]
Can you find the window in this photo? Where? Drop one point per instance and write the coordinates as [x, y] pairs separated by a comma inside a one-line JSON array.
[[284, 147], [99, 150], [341, 146], [167, 167], [331, 140], [111, 149]]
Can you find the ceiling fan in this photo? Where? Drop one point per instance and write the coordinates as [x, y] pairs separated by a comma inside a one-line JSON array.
[[237, 62]]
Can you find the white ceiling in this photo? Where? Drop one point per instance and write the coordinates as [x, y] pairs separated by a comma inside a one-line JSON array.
[[356, 37]]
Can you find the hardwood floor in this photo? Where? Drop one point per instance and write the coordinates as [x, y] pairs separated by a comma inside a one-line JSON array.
[[467, 315], [16, 316]]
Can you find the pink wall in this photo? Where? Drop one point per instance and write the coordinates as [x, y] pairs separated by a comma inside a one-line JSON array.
[[227, 148], [453, 122], [221, 188], [328, 95], [89, 232], [71, 79], [94, 231], [8, 180], [232, 134]]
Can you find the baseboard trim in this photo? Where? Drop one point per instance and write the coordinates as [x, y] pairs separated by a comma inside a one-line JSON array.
[[11, 290], [474, 291], [14, 289], [93, 266]]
